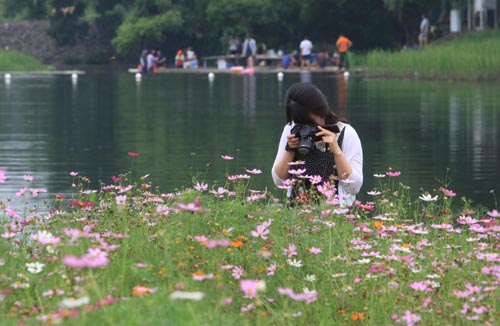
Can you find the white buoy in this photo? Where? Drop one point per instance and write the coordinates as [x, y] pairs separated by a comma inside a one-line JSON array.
[[7, 76], [346, 74], [280, 76], [138, 77], [211, 76]]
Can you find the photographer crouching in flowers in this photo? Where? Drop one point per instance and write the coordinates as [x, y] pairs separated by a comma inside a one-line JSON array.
[[316, 149]]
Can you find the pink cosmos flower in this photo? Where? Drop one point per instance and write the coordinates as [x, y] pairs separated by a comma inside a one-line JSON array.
[[307, 296], [36, 191], [420, 286], [133, 154], [393, 173], [28, 178], [315, 179], [3, 177], [298, 171], [73, 174], [410, 318], [238, 272], [21, 192], [192, 207], [493, 213], [121, 200], [249, 287], [315, 251], [247, 308], [237, 177], [227, 157], [447, 192], [271, 269], [116, 179], [94, 258], [290, 251], [201, 187], [260, 232]]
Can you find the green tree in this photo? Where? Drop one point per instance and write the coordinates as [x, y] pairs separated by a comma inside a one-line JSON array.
[[24, 9], [148, 25], [66, 21]]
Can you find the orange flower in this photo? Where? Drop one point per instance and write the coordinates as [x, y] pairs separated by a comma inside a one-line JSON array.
[[140, 290], [237, 243], [358, 316], [378, 225]]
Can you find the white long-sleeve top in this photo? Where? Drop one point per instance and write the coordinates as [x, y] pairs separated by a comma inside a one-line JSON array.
[[353, 152]]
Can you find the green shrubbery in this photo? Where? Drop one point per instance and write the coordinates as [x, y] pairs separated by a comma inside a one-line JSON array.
[[17, 61]]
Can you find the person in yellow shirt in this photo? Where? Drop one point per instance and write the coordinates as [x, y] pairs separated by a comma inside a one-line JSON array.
[[343, 45]]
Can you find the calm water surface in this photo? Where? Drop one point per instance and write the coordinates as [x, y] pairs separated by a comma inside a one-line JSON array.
[[180, 123]]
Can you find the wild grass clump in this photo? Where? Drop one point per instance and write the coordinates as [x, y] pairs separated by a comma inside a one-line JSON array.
[[13, 61], [473, 56], [127, 254]]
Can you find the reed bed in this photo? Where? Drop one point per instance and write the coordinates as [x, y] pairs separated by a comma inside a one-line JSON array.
[[473, 56]]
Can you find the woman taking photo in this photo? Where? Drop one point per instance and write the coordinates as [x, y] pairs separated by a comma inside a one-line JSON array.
[[315, 140]]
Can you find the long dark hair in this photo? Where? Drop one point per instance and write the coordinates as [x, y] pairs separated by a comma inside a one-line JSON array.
[[302, 99]]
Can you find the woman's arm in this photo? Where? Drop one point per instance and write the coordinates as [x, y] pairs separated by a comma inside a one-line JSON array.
[[283, 157], [353, 153], [348, 159]]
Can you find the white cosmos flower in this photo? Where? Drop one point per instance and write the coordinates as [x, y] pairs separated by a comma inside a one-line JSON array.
[[294, 262], [71, 303], [310, 278], [180, 295], [428, 197], [35, 268]]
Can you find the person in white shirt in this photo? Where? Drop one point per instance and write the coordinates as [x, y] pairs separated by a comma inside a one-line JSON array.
[[335, 157], [424, 31], [305, 52]]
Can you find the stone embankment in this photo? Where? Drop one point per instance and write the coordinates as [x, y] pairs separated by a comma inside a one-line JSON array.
[[31, 37]]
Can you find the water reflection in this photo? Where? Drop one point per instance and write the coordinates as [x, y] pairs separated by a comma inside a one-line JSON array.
[[50, 126]]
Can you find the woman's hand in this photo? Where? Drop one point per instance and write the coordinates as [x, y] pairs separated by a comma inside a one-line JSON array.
[[293, 142], [329, 138]]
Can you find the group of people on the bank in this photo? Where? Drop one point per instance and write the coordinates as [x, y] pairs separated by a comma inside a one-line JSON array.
[[152, 60], [303, 57]]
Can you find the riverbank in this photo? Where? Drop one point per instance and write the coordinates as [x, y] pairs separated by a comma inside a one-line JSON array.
[[473, 56], [13, 61]]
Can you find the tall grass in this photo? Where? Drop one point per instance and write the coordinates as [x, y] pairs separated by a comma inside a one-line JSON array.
[[142, 257], [473, 56], [13, 61]]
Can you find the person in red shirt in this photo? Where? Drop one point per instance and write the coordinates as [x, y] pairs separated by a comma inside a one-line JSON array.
[[343, 45]]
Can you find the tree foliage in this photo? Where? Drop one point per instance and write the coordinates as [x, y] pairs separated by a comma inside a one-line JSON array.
[[66, 23], [207, 25]]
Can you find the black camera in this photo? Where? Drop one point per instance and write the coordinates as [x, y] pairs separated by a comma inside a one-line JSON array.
[[307, 136]]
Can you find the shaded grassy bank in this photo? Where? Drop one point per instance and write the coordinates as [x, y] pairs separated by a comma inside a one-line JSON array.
[[473, 56], [17, 61]]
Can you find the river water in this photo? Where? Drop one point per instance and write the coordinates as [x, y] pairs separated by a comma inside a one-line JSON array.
[[180, 123]]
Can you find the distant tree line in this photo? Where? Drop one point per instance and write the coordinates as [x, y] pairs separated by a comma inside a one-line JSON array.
[[127, 26]]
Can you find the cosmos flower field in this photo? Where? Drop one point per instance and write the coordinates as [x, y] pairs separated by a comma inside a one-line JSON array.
[[124, 253]]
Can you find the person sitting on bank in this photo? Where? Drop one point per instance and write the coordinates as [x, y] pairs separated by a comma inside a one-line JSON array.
[[337, 157], [179, 59], [161, 60], [191, 59]]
